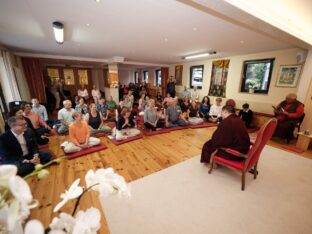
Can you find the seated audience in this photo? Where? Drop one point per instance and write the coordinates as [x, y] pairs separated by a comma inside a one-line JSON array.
[[167, 99], [125, 126], [142, 102], [119, 109], [102, 108], [40, 126], [128, 103], [194, 118], [79, 135], [159, 99], [82, 107], [95, 121], [231, 133], [41, 140], [19, 147], [185, 107], [83, 92], [174, 115], [152, 119], [204, 108], [96, 94], [246, 115], [186, 93], [76, 100], [65, 116], [288, 113], [215, 111], [195, 94], [131, 97], [111, 107], [39, 109]]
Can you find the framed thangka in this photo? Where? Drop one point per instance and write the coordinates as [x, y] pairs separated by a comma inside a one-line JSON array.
[[288, 75], [218, 78], [178, 74]]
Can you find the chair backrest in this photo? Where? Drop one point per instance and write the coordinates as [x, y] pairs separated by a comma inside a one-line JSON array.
[[264, 135]]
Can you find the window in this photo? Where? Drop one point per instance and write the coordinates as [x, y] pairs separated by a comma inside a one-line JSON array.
[[196, 76], [83, 76], [136, 77], [53, 73], [257, 75], [69, 76], [145, 76], [158, 77]]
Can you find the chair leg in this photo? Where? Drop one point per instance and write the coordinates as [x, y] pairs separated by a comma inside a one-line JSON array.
[[255, 170], [211, 167], [243, 180]]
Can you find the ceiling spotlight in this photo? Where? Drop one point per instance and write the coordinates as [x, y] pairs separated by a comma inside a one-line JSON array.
[[98, 1], [200, 55], [58, 29]]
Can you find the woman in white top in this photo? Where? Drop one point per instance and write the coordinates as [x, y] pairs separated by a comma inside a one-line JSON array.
[[96, 94], [83, 92], [215, 111]]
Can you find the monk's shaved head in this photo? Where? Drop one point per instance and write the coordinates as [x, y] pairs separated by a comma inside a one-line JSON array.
[[292, 96]]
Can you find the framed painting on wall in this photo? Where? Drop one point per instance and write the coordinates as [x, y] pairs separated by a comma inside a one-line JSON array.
[[288, 75]]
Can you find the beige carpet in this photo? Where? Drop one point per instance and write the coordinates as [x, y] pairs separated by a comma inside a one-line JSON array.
[[186, 199]]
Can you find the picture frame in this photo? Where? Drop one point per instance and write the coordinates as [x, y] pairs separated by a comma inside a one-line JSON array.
[[288, 75]]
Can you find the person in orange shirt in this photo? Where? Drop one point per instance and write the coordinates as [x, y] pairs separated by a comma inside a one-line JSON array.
[[79, 135]]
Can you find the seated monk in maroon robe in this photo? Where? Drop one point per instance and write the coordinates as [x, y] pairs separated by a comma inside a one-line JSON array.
[[231, 133], [288, 113]]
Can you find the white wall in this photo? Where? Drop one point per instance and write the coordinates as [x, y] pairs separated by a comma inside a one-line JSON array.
[[258, 102], [125, 76]]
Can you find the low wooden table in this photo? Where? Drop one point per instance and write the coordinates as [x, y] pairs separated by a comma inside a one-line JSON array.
[[303, 141]]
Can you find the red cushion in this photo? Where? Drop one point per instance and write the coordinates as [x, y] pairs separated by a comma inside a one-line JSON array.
[[235, 164], [43, 147], [151, 133], [90, 150], [100, 134], [114, 141], [177, 128], [204, 125]]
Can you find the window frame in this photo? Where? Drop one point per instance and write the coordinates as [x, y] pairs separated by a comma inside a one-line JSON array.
[[244, 70], [157, 76], [145, 75], [136, 77], [191, 78]]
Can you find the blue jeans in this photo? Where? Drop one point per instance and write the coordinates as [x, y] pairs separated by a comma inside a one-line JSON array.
[[179, 122]]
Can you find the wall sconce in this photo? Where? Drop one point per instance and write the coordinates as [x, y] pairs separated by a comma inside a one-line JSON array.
[[58, 29]]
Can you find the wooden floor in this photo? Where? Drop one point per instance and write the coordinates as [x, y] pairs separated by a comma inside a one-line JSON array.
[[132, 160]]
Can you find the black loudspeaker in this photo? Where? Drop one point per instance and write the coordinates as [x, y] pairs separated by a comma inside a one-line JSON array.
[[16, 104]]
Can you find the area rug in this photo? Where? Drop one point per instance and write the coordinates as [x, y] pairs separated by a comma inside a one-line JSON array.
[[293, 148], [83, 152], [147, 132], [186, 199]]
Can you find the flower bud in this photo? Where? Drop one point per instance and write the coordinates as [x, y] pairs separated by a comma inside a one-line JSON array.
[[43, 174], [38, 166], [58, 160]]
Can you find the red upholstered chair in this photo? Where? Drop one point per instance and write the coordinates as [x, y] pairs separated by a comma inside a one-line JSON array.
[[253, 155]]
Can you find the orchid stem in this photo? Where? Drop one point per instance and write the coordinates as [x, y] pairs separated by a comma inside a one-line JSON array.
[[78, 199]]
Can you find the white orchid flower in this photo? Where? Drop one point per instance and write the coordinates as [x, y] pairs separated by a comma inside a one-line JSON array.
[[34, 227], [73, 192], [20, 189], [87, 222], [6, 172], [9, 219], [64, 222]]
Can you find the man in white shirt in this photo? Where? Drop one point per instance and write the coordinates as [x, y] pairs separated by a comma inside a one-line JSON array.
[[65, 116], [39, 109], [215, 111], [18, 146]]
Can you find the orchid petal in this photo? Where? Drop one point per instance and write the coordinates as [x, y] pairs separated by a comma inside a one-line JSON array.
[[34, 227], [6, 172], [20, 189]]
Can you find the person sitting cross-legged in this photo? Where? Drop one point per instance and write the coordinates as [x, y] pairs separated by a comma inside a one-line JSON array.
[[125, 126], [79, 135], [18, 146], [152, 119], [65, 116], [174, 115], [231, 133], [194, 118], [96, 121]]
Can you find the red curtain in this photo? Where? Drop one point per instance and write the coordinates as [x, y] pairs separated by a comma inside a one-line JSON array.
[[34, 77], [164, 79]]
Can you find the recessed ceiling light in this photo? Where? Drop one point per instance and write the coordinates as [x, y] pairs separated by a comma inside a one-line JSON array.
[[166, 39], [242, 42], [200, 55], [98, 1], [88, 25], [194, 29]]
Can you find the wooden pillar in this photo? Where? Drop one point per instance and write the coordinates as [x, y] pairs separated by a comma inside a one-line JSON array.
[[113, 82], [164, 80]]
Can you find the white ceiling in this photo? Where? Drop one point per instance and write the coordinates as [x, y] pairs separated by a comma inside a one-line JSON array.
[[142, 31]]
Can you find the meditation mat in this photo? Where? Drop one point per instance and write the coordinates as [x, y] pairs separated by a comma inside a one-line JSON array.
[[147, 132], [82, 152], [114, 141], [293, 148], [204, 125], [100, 134], [177, 128], [43, 147]]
